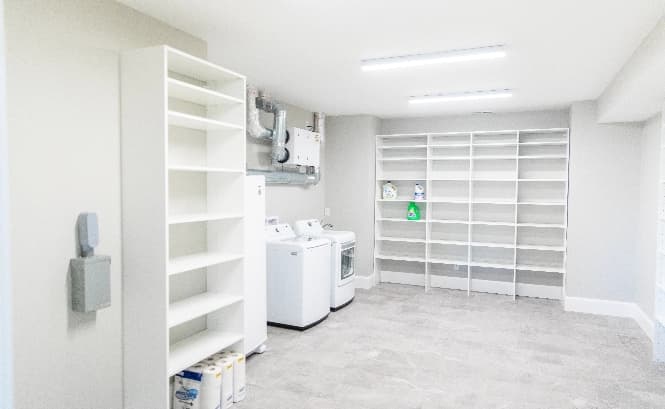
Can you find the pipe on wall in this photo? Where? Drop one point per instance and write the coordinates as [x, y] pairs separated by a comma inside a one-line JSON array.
[[280, 173]]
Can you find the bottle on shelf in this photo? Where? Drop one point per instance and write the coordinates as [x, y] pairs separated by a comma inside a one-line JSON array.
[[413, 211], [389, 191], [418, 193]]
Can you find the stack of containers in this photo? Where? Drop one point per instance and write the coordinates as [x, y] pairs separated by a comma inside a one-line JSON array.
[[214, 383]]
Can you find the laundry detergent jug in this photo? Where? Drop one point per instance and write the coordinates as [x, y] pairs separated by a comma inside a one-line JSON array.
[[413, 211]]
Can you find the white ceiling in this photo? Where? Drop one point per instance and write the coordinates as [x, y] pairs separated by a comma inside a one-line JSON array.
[[307, 53]]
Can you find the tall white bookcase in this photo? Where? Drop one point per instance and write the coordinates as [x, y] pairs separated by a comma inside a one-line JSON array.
[[495, 215], [183, 169], [659, 301]]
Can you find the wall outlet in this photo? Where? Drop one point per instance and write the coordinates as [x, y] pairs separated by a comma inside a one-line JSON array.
[[326, 212]]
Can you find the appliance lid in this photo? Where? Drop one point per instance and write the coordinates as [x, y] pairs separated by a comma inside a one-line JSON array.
[[279, 232]]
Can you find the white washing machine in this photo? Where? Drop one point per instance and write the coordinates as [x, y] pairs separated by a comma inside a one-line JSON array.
[[298, 278], [342, 258]]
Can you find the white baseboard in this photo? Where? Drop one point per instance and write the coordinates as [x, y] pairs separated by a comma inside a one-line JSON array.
[[613, 309], [365, 282]]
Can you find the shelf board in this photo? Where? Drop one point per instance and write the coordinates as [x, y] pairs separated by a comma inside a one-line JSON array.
[[460, 158], [497, 157], [493, 245], [401, 258], [402, 200], [544, 143], [191, 262], [199, 95], [449, 201], [402, 135], [542, 225], [449, 179], [381, 178], [539, 268], [400, 239], [491, 223], [447, 261], [200, 123], [542, 203], [543, 157], [542, 180], [450, 145], [493, 180], [493, 202], [191, 350], [186, 168], [198, 68], [405, 159], [441, 221], [493, 265], [402, 147], [477, 145], [394, 219], [198, 306], [450, 242], [203, 217], [541, 248]]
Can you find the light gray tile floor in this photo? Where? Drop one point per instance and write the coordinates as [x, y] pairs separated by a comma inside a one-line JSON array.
[[396, 347]]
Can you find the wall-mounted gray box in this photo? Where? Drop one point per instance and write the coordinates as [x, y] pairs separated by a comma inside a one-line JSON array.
[[91, 283]]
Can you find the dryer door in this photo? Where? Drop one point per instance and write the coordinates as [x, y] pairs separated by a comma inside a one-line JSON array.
[[348, 261]]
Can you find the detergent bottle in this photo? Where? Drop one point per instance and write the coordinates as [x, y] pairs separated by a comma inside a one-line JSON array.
[[412, 212], [389, 191]]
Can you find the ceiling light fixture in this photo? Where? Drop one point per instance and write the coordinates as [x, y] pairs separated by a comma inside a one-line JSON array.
[[415, 60], [463, 96]]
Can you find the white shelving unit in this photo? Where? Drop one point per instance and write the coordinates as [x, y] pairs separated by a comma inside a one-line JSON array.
[[183, 170], [495, 214]]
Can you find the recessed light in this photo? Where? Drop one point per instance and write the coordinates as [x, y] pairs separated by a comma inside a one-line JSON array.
[[414, 60], [463, 96]]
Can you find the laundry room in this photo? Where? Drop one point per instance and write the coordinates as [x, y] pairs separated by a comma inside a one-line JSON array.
[[334, 205]]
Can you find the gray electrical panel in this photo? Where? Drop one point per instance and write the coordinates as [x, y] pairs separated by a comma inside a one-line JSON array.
[[90, 274]]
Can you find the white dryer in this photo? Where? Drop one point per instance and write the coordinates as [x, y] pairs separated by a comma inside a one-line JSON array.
[[342, 258], [298, 278]]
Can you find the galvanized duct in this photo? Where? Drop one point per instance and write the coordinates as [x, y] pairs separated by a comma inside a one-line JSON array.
[[280, 174]]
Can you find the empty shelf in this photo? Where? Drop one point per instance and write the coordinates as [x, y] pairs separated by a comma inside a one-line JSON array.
[[199, 95], [490, 223], [447, 261], [543, 157], [391, 219], [540, 268], [203, 217], [493, 265], [401, 258], [401, 239], [544, 143], [450, 242], [493, 245], [449, 158], [197, 347], [183, 168], [542, 203], [195, 261], [405, 159], [200, 123], [198, 68], [448, 221], [543, 225], [543, 180], [542, 248], [402, 147], [198, 306]]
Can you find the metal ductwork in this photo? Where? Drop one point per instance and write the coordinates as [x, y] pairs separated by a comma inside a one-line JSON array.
[[280, 173], [277, 134]]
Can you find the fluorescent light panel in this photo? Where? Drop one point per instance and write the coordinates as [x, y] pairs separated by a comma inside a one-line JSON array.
[[464, 96], [415, 60]]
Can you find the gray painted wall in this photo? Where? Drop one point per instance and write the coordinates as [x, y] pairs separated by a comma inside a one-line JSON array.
[[645, 274], [603, 206], [349, 190], [64, 135]]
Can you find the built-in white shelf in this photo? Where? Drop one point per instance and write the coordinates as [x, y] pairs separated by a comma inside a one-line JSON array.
[[401, 239], [184, 120], [198, 306], [191, 350], [191, 262], [198, 95], [203, 217], [183, 158], [496, 205]]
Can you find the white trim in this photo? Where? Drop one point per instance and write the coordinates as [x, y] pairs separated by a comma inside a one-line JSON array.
[[6, 356], [365, 282], [613, 309]]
